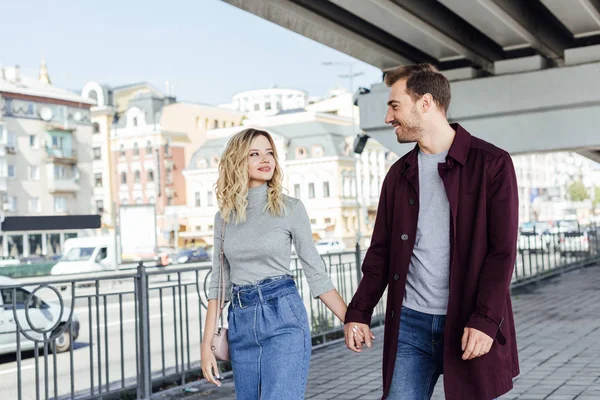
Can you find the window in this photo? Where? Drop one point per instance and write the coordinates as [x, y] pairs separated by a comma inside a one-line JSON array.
[[318, 151], [136, 149], [18, 297], [11, 139], [209, 198], [150, 175], [297, 193], [257, 107], [169, 175], [60, 204], [198, 228], [12, 203], [1, 133], [95, 127], [57, 142], [167, 149], [99, 206], [34, 173], [148, 148], [102, 254], [122, 150], [136, 177], [268, 105], [197, 198], [151, 200], [138, 200], [60, 172], [123, 178], [327, 220], [325, 189], [98, 180], [93, 96], [33, 142], [311, 190], [313, 221], [34, 204], [97, 153], [124, 202], [12, 171], [210, 227], [135, 121], [170, 200], [215, 124], [300, 152], [199, 123]]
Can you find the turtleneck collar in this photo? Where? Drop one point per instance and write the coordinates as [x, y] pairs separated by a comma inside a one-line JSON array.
[[257, 197]]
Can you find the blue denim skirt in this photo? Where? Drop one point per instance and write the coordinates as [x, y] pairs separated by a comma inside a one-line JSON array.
[[269, 340]]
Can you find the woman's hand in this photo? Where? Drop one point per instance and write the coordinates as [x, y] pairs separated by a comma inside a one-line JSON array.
[[210, 369]]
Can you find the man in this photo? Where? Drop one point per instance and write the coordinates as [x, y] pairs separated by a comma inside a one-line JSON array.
[[444, 245]]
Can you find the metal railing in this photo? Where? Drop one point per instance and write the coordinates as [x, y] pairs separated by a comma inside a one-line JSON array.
[[100, 336]]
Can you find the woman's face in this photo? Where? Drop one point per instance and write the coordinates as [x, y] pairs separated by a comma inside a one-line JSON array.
[[261, 161]]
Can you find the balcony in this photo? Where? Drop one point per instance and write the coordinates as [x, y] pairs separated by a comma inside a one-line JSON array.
[[61, 155], [56, 185]]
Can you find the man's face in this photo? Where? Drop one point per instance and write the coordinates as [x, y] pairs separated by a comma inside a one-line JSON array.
[[403, 114]]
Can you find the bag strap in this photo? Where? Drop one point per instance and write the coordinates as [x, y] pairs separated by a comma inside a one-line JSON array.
[[221, 292]]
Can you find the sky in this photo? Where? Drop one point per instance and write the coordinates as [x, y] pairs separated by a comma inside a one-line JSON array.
[[208, 49]]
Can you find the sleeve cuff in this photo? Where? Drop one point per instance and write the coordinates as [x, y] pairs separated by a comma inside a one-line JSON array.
[[354, 315], [320, 287], [484, 324]]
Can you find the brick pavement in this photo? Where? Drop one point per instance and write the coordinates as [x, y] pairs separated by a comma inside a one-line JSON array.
[[558, 333]]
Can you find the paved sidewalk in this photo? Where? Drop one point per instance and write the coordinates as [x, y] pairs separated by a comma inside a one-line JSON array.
[[558, 329]]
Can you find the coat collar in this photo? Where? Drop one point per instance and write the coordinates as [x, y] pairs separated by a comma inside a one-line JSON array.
[[458, 151]]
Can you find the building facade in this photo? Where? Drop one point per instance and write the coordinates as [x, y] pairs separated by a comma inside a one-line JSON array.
[[45, 158], [268, 102], [319, 168]]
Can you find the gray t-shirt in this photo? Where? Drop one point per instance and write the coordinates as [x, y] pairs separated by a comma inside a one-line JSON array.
[[427, 282], [260, 247]]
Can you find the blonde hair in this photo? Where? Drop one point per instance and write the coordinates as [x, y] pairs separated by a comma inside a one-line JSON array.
[[232, 185]]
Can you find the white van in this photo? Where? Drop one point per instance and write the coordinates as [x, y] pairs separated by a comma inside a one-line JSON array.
[[86, 255], [42, 314]]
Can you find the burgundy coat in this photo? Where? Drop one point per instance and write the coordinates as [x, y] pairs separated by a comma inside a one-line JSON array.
[[481, 187]]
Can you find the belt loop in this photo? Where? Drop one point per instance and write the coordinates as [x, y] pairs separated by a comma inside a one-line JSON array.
[[260, 295], [240, 300]]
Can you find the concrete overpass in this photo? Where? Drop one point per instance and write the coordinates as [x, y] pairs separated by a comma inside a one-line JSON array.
[[525, 74]]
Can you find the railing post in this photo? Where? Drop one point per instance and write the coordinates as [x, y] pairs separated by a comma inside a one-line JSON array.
[[144, 378], [358, 263]]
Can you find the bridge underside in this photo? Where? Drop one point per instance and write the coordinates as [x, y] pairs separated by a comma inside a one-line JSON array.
[[525, 74]]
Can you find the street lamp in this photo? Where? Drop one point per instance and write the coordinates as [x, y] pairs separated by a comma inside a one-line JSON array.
[[359, 142]]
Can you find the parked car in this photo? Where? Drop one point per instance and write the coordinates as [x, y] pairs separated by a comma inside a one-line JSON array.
[[185, 256], [574, 243], [85, 255], [328, 246], [42, 314], [533, 242]]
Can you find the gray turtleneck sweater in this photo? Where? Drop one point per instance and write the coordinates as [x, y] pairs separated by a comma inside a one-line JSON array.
[[260, 247]]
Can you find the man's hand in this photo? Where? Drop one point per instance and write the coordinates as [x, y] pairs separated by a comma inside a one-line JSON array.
[[475, 344], [356, 334]]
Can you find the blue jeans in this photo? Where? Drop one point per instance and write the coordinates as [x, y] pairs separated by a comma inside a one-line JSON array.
[[420, 357], [269, 340]]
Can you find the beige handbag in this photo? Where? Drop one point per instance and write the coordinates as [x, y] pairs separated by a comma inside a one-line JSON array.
[[220, 346]]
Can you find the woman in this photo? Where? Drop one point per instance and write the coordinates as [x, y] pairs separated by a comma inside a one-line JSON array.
[[269, 333]]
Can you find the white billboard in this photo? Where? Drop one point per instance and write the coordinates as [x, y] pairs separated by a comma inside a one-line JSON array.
[[137, 225]]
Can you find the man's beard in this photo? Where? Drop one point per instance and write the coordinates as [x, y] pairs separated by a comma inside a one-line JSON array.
[[410, 129]]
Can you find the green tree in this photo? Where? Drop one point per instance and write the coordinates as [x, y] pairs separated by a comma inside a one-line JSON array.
[[578, 192], [596, 196]]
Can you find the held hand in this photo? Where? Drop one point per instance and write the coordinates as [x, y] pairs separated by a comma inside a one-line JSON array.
[[475, 344], [209, 365], [356, 334]]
